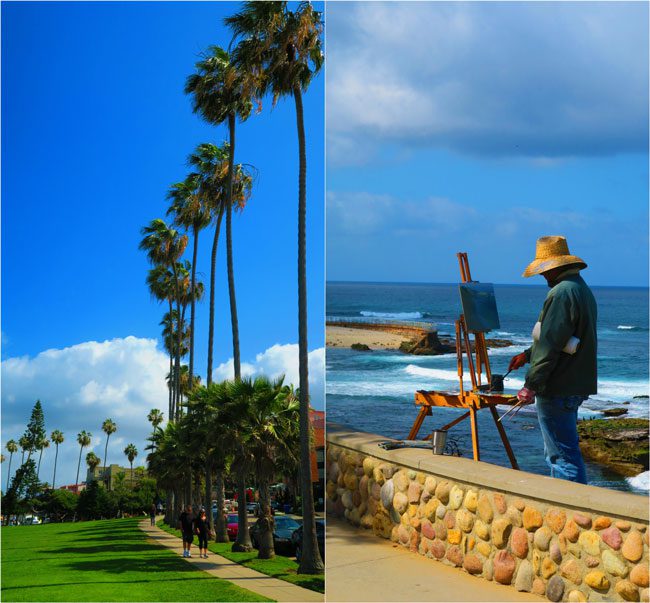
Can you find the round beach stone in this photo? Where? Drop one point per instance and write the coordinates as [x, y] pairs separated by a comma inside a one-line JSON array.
[[555, 589], [375, 490], [414, 492], [484, 548], [571, 571], [415, 523], [613, 565], [430, 508], [501, 529], [401, 481], [440, 530], [519, 504], [331, 490], [481, 530], [571, 531], [356, 498], [364, 488], [639, 575], [555, 553], [488, 569], [499, 502], [543, 538], [403, 534], [524, 579], [465, 520], [597, 580], [484, 509], [645, 594], [532, 519], [504, 567], [633, 547], [351, 481], [400, 502], [627, 590], [612, 537], [437, 549], [378, 475], [471, 500], [450, 519], [421, 478], [590, 542], [514, 516], [576, 596], [412, 510], [369, 465], [539, 587], [519, 543], [473, 564], [442, 492], [346, 499], [333, 472], [454, 536], [584, 521], [411, 474], [548, 568], [455, 497], [387, 493], [563, 543], [601, 522], [426, 496], [470, 543], [591, 561], [441, 511], [426, 527], [455, 555], [430, 484], [555, 519], [623, 526], [414, 541]]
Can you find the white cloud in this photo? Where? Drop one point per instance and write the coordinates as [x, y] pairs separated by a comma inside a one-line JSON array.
[[81, 385], [541, 80]]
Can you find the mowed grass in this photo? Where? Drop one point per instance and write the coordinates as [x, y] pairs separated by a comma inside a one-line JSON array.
[[110, 560], [279, 567]]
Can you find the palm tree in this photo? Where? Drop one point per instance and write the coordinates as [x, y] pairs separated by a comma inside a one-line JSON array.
[[12, 447], [57, 438], [131, 452], [155, 417], [165, 245], [220, 93], [108, 427], [23, 442], [92, 460], [284, 48], [83, 439], [41, 445], [190, 211]]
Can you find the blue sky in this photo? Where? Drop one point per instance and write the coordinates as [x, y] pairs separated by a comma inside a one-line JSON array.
[[479, 127], [95, 127]]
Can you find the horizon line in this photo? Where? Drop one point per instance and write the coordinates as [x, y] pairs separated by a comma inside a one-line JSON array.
[[373, 282]]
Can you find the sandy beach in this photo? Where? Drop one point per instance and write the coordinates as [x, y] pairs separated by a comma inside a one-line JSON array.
[[344, 337]]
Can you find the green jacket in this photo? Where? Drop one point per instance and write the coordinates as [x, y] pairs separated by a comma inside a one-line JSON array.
[[569, 310]]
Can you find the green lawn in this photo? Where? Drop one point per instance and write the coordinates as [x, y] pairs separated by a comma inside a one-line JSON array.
[[110, 560], [279, 567]]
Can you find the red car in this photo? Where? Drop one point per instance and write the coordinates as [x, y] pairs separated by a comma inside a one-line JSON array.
[[233, 525]]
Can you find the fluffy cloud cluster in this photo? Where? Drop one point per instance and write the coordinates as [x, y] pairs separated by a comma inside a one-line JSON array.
[[82, 385], [530, 79]]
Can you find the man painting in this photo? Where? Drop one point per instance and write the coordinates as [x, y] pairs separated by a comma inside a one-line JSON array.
[[562, 371]]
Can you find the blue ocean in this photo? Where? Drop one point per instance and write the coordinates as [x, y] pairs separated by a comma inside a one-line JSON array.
[[373, 391]]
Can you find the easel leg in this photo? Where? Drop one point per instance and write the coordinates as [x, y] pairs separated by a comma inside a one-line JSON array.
[[474, 424], [424, 411], [504, 438]]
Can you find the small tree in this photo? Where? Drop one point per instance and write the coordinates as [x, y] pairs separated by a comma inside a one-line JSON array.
[[83, 439], [57, 438], [108, 427], [35, 431], [131, 452]]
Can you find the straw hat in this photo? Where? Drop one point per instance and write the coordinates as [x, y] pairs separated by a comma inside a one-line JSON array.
[[552, 252]]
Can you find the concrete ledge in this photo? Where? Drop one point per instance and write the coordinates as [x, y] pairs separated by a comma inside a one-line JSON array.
[[509, 481]]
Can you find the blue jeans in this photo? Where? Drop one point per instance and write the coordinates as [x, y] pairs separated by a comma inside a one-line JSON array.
[[558, 422]]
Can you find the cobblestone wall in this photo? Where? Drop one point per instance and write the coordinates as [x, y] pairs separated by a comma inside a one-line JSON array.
[[561, 553]]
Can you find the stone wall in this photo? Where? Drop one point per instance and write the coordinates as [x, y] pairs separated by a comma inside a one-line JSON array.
[[565, 541]]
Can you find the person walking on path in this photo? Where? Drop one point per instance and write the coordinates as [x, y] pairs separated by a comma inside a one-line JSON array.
[[185, 523], [563, 370], [152, 514], [201, 527]]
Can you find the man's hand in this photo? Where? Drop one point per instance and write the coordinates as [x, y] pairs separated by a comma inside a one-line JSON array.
[[526, 396], [517, 362]]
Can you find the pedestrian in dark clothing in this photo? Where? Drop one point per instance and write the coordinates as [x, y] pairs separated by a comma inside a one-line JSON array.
[[201, 528], [186, 526], [152, 514]]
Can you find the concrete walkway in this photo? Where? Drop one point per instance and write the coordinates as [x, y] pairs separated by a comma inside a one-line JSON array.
[[362, 567], [220, 567]]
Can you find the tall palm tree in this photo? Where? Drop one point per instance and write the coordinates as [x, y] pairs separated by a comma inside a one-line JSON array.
[[92, 460], [108, 427], [155, 417], [165, 245], [23, 442], [41, 445], [190, 211], [220, 93], [284, 47], [83, 439], [131, 452], [12, 447], [57, 438]]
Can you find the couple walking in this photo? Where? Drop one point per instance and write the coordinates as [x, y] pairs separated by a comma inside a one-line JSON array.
[[191, 525]]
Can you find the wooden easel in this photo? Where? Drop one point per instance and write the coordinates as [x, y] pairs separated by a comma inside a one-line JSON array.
[[473, 400]]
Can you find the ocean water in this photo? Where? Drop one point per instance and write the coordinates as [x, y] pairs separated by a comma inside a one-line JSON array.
[[374, 391]]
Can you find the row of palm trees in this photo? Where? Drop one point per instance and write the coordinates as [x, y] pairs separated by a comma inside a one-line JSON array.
[[274, 52]]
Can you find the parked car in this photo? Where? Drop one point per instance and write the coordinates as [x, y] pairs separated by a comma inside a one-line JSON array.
[[251, 507], [233, 525], [320, 536], [285, 527]]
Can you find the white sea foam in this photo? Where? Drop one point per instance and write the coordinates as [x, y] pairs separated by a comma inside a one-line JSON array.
[[625, 327], [640, 482], [396, 315]]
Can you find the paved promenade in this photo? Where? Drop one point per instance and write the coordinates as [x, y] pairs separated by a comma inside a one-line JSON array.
[[220, 567], [361, 567]]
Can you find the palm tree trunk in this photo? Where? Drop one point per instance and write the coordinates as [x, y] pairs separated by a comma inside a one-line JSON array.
[[179, 329], [231, 275], [267, 550], [105, 460], [56, 457], [78, 466], [11, 454], [38, 467], [213, 267], [192, 307], [243, 542], [171, 368], [22, 458], [310, 561], [221, 528], [208, 490]]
